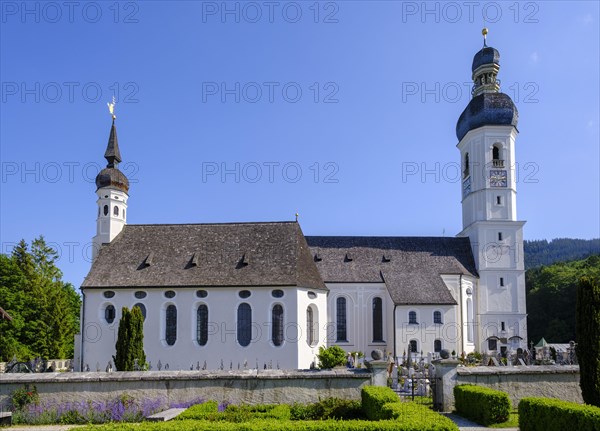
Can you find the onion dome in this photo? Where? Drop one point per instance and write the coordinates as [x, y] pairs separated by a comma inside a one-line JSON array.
[[489, 106], [487, 55], [111, 176], [495, 109]]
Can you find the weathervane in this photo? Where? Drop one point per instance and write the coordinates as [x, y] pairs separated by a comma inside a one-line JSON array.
[[484, 32], [111, 108]]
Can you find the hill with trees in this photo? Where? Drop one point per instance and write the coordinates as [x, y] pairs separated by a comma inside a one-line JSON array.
[[542, 252], [552, 297]]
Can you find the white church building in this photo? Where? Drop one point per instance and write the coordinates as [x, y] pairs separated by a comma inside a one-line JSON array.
[[251, 294]]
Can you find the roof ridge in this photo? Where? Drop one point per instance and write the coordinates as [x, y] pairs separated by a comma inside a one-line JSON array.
[[210, 223]]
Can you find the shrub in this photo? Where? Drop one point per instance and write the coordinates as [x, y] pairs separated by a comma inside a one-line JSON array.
[[329, 408], [200, 411], [588, 335], [483, 405], [373, 399], [411, 414], [25, 396], [437, 424], [331, 357], [549, 414], [130, 340]]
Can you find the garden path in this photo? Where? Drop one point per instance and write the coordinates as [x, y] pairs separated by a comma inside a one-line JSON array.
[[467, 425]]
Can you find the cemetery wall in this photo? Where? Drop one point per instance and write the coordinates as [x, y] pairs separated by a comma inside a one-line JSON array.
[[235, 386], [553, 381]]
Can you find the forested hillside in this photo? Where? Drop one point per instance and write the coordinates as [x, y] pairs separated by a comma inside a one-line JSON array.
[[551, 298], [542, 252]]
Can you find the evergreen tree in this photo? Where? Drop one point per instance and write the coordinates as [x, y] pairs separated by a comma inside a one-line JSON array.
[[130, 340], [45, 310], [588, 337]]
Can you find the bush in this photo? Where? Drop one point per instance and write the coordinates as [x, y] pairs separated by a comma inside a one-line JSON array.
[[25, 396], [331, 357], [329, 408], [438, 424], [549, 414], [417, 416], [588, 335], [200, 411], [483, 405], [373, 399]]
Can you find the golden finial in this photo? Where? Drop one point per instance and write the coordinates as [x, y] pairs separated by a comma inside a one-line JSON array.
[[484, 32], [111, 108], [297, 216]]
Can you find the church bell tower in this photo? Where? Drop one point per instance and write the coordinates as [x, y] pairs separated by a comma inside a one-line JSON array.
[[487, 132], [112, 187]]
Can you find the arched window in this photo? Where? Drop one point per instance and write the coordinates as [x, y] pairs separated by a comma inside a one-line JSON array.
[[142, 308], [116, 211], [412, 344], [437, 317], [202, 324], [109, 314], [437, 346], [312, 325], [466, 166], [105, 210], [123, 213], [171, 327], [277, 328], [412, 317], [244, 324], [377, 319], [340, 310], [495, 153], [469, 319]]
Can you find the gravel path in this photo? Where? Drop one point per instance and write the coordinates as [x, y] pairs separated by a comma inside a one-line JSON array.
[[467, 425]]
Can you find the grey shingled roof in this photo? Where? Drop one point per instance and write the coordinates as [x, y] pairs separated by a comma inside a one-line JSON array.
[[212, 255], [409, 266]]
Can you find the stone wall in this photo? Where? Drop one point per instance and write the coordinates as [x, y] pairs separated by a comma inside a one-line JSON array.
[[239, 386], [553, 381]]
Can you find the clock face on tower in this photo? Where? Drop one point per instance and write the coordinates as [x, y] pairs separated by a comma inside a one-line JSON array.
[[498, 178]]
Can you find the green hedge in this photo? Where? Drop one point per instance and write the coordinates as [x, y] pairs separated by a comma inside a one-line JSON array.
[[439, 424], [549, 414], [482, 405], [236, 413], [200, 411], [373, 398], [417, 416]]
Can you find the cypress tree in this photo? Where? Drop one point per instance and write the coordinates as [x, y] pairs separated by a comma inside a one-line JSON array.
[[130, 340], [588, 339]]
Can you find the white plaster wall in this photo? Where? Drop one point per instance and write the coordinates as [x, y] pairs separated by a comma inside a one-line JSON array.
[[99, 337], [307, 354], [359, 297], [425, 331]]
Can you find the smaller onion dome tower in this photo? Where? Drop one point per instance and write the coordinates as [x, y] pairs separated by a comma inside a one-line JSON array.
[[112, 187]]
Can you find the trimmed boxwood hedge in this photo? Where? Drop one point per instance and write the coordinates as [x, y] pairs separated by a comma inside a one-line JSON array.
[[200, 411], [373, 399], [549, 414], [439, 424], [482, 405]]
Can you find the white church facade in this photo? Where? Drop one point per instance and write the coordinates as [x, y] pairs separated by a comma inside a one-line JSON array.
[[265, 294]]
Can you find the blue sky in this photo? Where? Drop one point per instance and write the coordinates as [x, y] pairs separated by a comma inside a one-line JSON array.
[[252, 111]]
